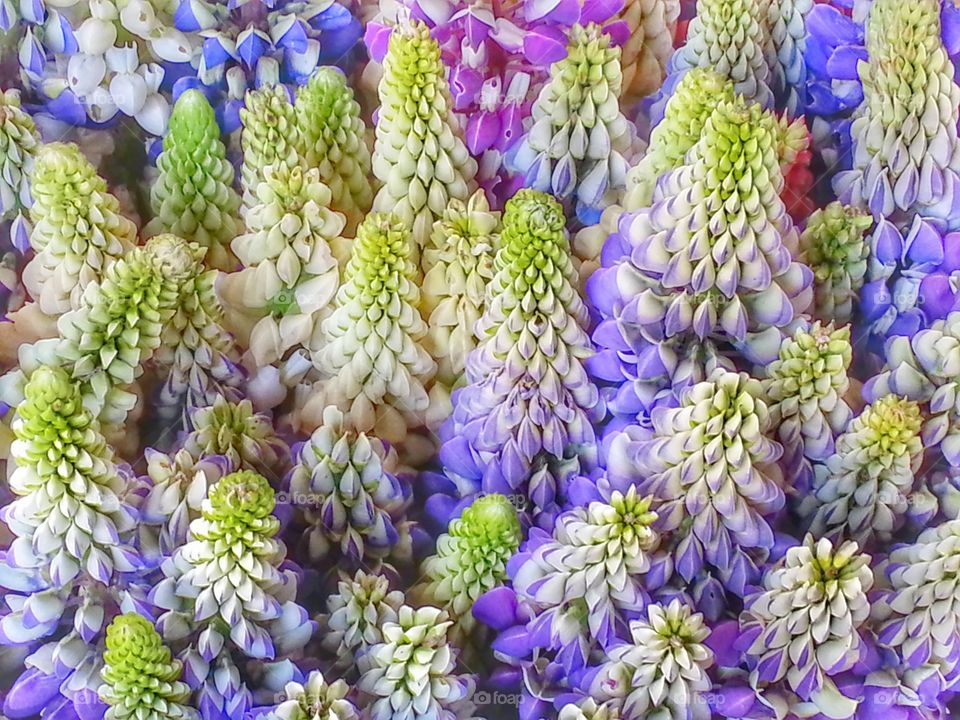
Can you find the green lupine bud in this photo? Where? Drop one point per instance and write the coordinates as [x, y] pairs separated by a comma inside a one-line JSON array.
[[863, 490], [905, 132], [270, 136], [471, 558], [78, 230], [316, 700], [234, 430], [458, 267], [419, 155], [70, 496], [335, 143], [119, 321], [834, 246], [695, 98], [290, 274], [372, 350], [805, 391], [194, 197], [578, 145], [19, 141], [141, 678], [647, 50]]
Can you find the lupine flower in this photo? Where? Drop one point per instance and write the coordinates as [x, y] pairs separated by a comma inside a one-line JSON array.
[[673, 299], [588, 709], [711, 469], [913, 616], [861, 492], [78, 230], [71, 513], [194, 197], [333, 136], [176, 486], [805, 391], [905, 156], [924, 368], [412, 671], [315, 699], [198, 358], [648, 48], [806, 623], [19, 142], [345, 484], [788, 38], [910, 277], [270, 137], [457, 266], [355, 618], [141, 679], [420, 174], [579, 144], [246, 438], [290, 274], [834, 247], [230, 580], [521, 424], [372, 343], [471, 558], [663, 669], [587, 577]]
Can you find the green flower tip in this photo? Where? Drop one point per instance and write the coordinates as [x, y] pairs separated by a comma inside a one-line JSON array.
[[382, 239], [632, 517], [52, 387], [894, 424], [192, 109], [58, 163], [242, 495], [531, 212], [492, 516], [134, 646], [590, 57], [177, 258], [835, 234]]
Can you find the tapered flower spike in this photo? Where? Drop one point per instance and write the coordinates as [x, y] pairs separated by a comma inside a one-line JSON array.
[[141, 678], [458, 266], [834, 246], [805, 390], [471, 558], [646, 51], [290, 274], [664, 667], [909, 616], [270, 137], [419, 156], [199, 359], [412, 674], [788, 39], [194, 197], [586, 578], [335, 143], [716, 508], [344, 483], [77, 228], [808, 621], [315, 699], [19, 142], [906, 153], [71, 512], [372, 352], [231, 580], [246, 438], [862, 491], [580, 143], [673, 299], [355, 618], [522, 425]]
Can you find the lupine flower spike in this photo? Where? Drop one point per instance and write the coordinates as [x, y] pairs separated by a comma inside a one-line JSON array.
[[807, 623], [863, 491], [906, 153], [788, 40], [315, 699], [419, 157], [194, 197], [78, 230], [141, 679], [333, 136], [344, 482], [234, 430], [580, 144], [834, 247], [372, 348], [19, 142], [645, 54], [522, 425], [471, 558]]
